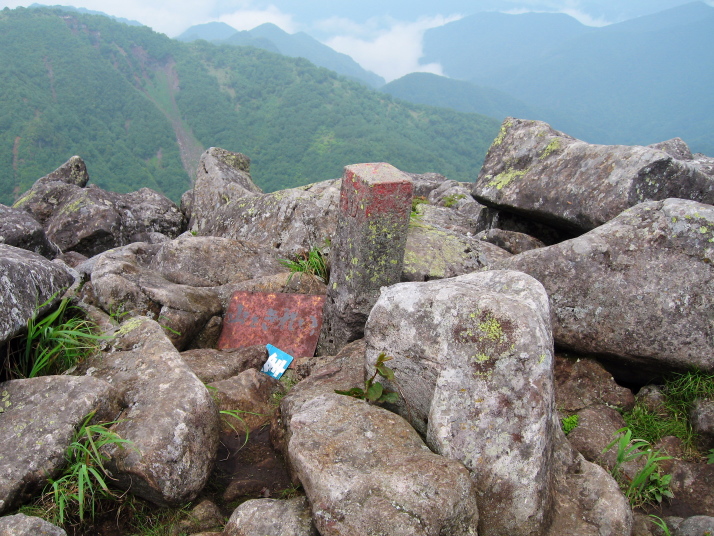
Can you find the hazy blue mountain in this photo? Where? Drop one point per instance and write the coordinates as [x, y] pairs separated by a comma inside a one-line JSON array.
[[428, 88], [299, 45], [209, 31], [486, 46], [636, 82]]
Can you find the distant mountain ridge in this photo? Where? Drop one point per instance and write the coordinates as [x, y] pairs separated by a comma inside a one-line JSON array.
[[299, 45], [636, 82]]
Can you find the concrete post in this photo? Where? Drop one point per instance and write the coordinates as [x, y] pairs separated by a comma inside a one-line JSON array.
[[368, 249]]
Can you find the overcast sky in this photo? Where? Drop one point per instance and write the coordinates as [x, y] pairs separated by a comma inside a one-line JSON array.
[[384, 36]]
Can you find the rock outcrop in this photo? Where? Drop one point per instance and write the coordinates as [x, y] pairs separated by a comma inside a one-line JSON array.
[[28, 281], [637, 290], [170, 417], [38, 421], [474, 358], [226, 203], [19, 229], [89, 220], [549, 176]]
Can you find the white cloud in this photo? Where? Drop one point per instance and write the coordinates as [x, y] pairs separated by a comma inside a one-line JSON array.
[[390, 52]]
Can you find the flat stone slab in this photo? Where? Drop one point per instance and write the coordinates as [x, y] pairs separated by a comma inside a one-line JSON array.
[[290, 322]]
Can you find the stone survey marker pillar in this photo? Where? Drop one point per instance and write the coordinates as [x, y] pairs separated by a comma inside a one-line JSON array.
[[368, 249]]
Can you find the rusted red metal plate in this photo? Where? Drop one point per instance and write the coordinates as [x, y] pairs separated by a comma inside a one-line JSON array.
[[290, 322]]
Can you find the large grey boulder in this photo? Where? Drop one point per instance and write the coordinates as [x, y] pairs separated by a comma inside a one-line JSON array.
[[271, 517], [221, 177], [226, 203], [23, 525], [213, 261], [123, 283], [587, 500], [549, 176], [27, 280], [695, 526], [364, 469], [170, 416], [90, 220], [473, 360], [638, 290], [38, 419], [19, 229], [438, 253]]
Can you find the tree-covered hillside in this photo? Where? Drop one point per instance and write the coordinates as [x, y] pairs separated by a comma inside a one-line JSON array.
[[139, 108]]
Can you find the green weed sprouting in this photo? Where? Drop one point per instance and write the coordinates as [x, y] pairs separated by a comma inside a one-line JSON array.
[[568, 424], [56, 342], [680, 391], [451, 200], [374, 391], [648, 485], [661, 524], [710, 456], [313, 262], [83, 482]]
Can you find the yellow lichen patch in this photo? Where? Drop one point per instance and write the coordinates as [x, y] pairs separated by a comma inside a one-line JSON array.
[[491, 328], [502, 133], [552, 147], [130, 325], [502, 180]]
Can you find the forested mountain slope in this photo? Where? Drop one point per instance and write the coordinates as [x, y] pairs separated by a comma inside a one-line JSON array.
[[139, 107]]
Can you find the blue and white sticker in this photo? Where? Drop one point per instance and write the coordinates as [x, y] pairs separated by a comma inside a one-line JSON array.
[[277, 363]]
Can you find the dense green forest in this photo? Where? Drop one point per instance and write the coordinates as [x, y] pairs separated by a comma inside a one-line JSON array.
[[122, 97]]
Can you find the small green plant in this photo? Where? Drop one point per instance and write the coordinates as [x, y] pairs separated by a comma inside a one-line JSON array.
[[292, 491], [648, 485], [450, 200], [56, 342], [416, 201], [710, 456], [569, 423], [374, 391], [84, 481], [680, 391], [661, 524], [313, 262]]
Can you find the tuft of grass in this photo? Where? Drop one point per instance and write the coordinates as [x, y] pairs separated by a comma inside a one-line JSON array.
[[450, 200], [313, 262], [648, 485], [82, 485], [661, 524], [56, 342], [680, 391]]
